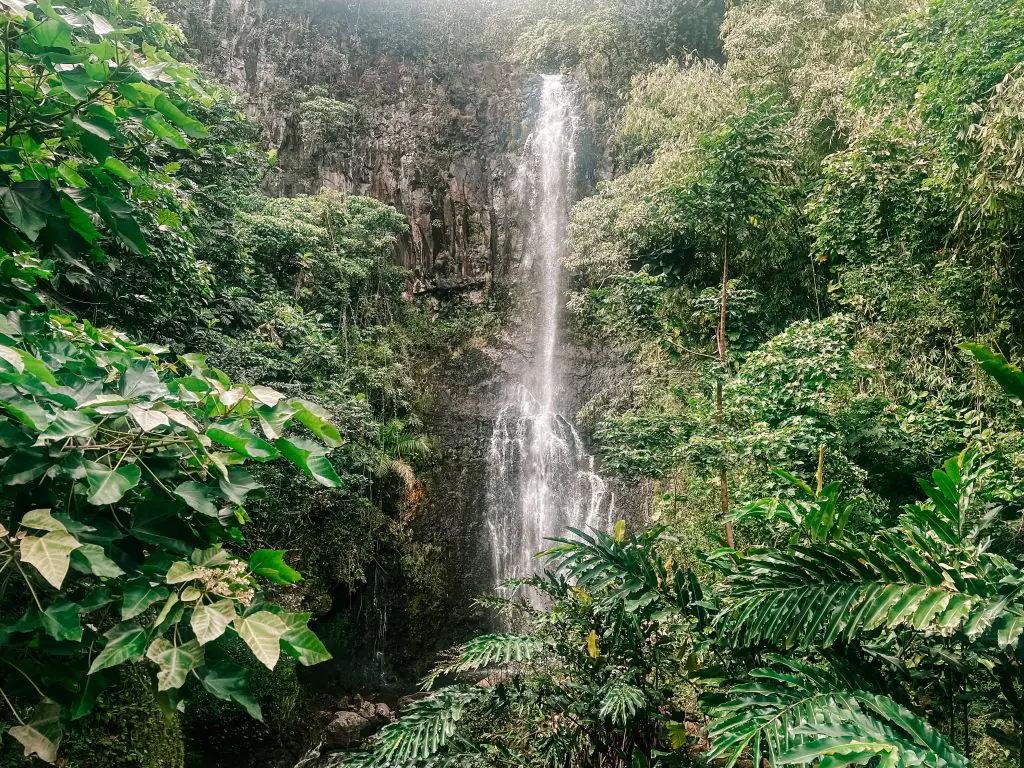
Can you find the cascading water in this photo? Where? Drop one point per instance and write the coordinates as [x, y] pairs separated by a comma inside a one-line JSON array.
[[541, 480]]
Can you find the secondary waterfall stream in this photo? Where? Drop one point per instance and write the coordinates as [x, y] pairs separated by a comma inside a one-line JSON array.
[[541, 480]]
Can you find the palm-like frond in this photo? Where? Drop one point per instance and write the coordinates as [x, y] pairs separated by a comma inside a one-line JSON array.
[[488, 651], [795, 713], [625, 568], [424, 731], [620, 702], [923, 576], [817, 595]]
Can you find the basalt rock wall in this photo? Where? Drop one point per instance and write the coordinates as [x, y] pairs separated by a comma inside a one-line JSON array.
[[383, 99]]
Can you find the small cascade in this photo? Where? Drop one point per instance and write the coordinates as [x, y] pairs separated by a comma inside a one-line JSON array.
[[541, 479]]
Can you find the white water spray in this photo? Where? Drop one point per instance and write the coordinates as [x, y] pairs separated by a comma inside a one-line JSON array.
[[541, 480]]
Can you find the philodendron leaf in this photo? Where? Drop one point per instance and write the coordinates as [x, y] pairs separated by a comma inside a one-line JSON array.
[[262, 632], [42, 735], [125, 642], [235, 436], [50, 554], [300, 642], [63, 620], [138, 596], [197, 496], [230, 682], [108, 486], [311, 458], [270, 564], [210, 621], [175, 662]]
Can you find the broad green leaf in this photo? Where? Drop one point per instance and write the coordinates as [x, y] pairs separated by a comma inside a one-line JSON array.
[[41, 737], [125, 642], [300, 642], [238, 484], [317, 421], [273, 420], [62, 620], [141, 382], [210, 621], [164, 130], [175, 662], [138, 596], [69, 424], [211, 556], [172, 601], [96, 562], [50, 555], [30, 204], [262, 632], [86, 699], [180, 572], [235, 436], [148, 419], [27, 412], [1008, 376], [230, 682], [311, 458], [24, 466], [266, 395], [12, 358], [270, 564], [189, 125], [42, 520], [197, 496], [108, 486], [37, 368]]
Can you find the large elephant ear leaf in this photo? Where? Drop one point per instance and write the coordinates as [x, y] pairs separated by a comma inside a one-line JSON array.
[[1006, 374]]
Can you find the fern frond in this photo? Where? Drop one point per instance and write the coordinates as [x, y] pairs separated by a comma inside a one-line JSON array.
[[795, 713]]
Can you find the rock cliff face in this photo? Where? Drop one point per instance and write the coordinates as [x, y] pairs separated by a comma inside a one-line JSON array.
[[361, 97]]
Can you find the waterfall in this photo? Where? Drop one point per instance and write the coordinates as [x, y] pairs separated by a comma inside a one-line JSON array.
[[541, 480]]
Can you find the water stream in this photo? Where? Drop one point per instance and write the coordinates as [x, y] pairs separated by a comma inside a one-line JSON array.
[[541, 480]]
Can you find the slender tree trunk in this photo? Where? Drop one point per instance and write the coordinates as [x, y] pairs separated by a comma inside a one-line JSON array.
[[723, 352]]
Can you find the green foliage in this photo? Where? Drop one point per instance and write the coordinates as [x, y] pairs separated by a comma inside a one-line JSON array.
[[582, 685], [70, 168], [144, 487]]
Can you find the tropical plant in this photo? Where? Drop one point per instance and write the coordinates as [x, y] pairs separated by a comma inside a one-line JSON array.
[[122, 484], [585, 685]]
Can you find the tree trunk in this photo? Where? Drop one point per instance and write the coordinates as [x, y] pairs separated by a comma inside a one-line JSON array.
[[723, 351]]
